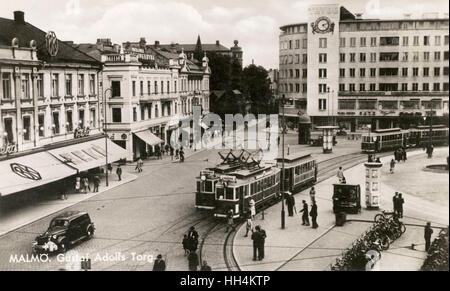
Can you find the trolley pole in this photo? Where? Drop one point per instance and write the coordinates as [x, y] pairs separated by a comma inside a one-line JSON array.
[[106, 134], [283, 215]]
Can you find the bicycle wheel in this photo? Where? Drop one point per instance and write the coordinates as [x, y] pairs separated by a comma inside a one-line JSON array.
[[385, 243], [379, 217]]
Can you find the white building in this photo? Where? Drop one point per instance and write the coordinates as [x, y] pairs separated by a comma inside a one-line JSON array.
[[363, 70], [148, 92], [50, 121]]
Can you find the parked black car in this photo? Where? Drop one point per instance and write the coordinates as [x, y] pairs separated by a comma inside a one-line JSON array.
[[64, 231]]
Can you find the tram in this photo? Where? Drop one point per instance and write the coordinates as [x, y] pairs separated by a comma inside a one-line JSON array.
[[241, 177], [208, 178], [300, 171], [235, 190], [420, 136], [393, 138]]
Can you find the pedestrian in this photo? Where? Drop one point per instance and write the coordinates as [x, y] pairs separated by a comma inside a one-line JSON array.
[[171, 153], [230, 223], [256, 238], [181, 156], [262, 243], [401, 201], [340, 174], [192, 239], [395, 203], [119, 172], [193, 261], [185, 243], [392, 166], [397, 155], [160, 264], [305, 217], [205, 267], [96, 183], [139, 164], [110, 168], [249, 225], [313, 214], [252, 208], [278, 140], [404, 158], [167, 148], [312, 195], [86, 186], [78, 184], [177, 154], [427, 235], [290, 202]]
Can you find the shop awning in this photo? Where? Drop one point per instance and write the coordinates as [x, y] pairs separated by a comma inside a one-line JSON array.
[[88, 155], [149, 138], [23, 173]]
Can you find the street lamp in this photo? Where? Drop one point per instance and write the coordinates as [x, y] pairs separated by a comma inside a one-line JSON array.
[[106, 134], [328, 105], [283, 214]]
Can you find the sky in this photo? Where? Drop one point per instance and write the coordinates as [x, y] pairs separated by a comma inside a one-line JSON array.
[[254, 23]]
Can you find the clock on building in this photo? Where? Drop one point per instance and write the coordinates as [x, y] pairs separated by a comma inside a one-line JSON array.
[[322, 24]]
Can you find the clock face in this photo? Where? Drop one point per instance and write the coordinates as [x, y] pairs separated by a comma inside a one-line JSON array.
[[323, 24]]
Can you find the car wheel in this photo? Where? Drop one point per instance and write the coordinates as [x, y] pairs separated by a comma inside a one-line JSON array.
[[90, 232]]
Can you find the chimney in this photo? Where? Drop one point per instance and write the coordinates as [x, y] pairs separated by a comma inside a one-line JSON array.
[[217, 43], [19, 16], [156, 42]]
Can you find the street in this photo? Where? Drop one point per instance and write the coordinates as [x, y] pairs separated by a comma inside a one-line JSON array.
[[145, 217]]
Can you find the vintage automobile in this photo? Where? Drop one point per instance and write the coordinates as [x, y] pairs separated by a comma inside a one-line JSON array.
[[346, 198], [64, 231]]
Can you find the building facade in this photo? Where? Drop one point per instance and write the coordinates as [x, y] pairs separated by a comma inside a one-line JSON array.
[[50, 114], [148, 93], [340, 68]]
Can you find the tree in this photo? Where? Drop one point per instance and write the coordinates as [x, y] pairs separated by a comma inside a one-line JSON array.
[[256, 88], [220, 65]]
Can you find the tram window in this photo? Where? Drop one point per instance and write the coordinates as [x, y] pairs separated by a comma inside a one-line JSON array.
[[297, 170], [208, 186], [239, 192], [198, 186], [229, 194], [246, 191], [219, 192]]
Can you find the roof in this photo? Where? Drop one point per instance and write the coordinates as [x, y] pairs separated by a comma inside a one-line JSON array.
[[294, 157], [209, 47], [26, 32], [69, 215]]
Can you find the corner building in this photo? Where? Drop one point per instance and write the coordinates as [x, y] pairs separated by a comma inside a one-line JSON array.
[[344, 70]]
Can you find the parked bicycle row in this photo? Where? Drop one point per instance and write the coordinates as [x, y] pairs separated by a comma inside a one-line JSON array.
[[366, 251]]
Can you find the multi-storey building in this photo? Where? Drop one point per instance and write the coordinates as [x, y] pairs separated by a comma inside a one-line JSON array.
[[50, 120], [149, 92], [340, 68], [235, 52]]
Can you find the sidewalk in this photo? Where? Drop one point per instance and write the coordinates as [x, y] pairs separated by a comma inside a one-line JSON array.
[[19, 217], [299, 247]]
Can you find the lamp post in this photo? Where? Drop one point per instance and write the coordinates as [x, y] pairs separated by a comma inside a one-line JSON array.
[[328, 105], [431, 125], [283, 214], [106, 134]]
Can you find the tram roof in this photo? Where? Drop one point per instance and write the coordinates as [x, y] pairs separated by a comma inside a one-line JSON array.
[[294, 157], [437, 126], [246, 173]]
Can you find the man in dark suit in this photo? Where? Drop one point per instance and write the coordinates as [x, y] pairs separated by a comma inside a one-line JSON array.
[[160, 264], [305, 217], [313, 214], [261, 243], [256, 238], [290, 202]]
